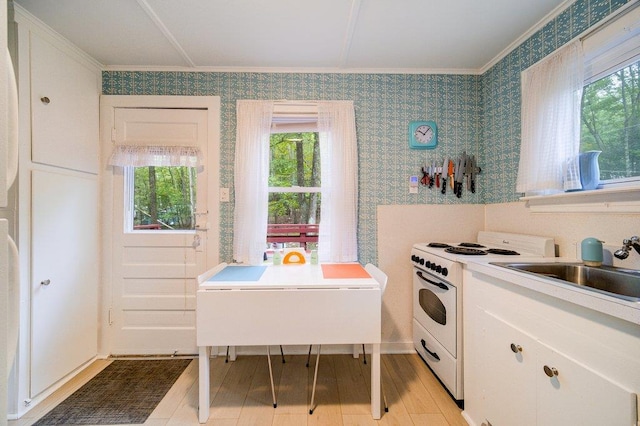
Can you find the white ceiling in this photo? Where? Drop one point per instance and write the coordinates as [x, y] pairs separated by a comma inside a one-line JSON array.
[[463, 36]]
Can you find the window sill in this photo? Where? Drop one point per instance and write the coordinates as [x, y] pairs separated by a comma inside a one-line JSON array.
[[622, 199]]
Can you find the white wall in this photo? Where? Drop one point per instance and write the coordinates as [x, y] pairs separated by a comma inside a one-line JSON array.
[[568, 229], [399, 227]]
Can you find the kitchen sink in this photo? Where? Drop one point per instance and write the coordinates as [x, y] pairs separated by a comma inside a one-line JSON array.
[[616, 282]]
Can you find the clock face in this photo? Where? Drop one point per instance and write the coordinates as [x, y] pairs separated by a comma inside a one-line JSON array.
[[423, 134]]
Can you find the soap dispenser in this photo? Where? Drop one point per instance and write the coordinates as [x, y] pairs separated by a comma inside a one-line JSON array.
[[591, 249]]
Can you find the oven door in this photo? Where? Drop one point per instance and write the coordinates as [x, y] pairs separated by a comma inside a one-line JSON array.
[[434, 307]]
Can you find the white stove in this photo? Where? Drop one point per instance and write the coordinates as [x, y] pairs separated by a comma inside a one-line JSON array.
[[437, 294]]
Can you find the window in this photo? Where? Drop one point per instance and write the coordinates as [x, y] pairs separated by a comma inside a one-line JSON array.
[[608, 120], [610, 113], [611, 123], [337, 239], [294, 189], [164, 197], [583, 97]]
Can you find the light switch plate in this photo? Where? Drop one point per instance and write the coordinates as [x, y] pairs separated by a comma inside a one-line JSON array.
[[413, 184], [224, 195]]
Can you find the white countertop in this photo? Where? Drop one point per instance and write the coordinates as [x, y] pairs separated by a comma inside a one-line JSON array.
[[619, 308]]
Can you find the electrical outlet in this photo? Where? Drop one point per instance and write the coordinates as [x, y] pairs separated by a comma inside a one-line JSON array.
[[224, 195]]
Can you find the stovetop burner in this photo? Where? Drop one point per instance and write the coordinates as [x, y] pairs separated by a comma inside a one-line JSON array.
[[465, 250], [438, 245], [503, 252], [471, 245]]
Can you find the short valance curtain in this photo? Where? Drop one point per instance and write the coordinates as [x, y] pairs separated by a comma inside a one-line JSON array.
[[152, 155]]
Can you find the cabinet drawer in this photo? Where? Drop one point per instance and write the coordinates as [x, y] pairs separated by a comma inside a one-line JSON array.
[[446, 367]]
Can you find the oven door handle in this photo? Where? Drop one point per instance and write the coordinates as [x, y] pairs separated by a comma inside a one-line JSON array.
[[437, 284], [433, 354]]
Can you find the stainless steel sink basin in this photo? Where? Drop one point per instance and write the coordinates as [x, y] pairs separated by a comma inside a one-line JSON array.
[[616, 282]]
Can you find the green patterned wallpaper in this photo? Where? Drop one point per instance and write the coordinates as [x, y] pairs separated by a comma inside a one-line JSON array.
[[384, 104], [476, 114]]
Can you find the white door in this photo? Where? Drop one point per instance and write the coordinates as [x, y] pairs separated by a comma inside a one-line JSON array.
[[64, 287], [154, 270]]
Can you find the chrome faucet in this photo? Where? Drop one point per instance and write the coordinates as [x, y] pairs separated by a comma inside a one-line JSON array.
[[623, 253]]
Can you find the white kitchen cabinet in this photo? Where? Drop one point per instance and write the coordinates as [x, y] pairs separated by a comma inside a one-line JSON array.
[[65, 111], [506, 377], [542, 386], [512, 334], [58, 211], [64, 293]]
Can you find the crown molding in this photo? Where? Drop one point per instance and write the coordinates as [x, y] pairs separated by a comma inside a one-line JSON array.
[[35, 25], [286, 70], [517, 42]]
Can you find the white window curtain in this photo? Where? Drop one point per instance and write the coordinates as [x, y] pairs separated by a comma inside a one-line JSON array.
[[339, 171], [337, 240], [145, 155], [551, 95], [251, 180]]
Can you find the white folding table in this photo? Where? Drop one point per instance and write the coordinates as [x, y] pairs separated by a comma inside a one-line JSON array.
[[287, 305]]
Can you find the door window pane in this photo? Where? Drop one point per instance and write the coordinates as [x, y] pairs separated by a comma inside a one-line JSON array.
[[164, 198]]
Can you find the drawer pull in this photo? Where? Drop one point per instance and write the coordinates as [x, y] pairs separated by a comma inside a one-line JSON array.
[[550, 371], [45, 282], [516, 348], [45, 100], [433, 354]]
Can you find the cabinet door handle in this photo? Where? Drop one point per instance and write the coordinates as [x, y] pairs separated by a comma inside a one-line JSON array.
[[550, 371], [45, 100], [516, 348], [433, 354], [45, 282]]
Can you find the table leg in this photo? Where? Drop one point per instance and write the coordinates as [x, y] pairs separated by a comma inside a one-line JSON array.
[[203, 384], [376, 391], [232, 353]]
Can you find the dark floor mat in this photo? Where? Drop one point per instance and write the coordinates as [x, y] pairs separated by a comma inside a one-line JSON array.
[[126, 392]]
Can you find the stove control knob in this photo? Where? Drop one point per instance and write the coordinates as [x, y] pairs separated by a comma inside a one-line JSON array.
[[433, 266], [445, 271], [421, 261], [438, 269], [427, 264]]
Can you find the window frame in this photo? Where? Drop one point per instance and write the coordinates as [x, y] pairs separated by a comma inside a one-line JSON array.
[[129, 207], [610, 47], [606, 48], [295, 122]]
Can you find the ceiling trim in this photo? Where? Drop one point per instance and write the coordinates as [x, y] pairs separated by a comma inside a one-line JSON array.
[[517, 42], [351, 27], [165, 31], [34, 24], [274, 70]]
